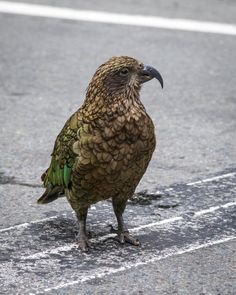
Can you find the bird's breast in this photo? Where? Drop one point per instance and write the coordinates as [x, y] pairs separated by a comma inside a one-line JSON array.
[[112, 154], [111, 143]]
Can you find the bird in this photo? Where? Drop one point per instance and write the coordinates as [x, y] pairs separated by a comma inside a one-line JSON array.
[[105, 147]]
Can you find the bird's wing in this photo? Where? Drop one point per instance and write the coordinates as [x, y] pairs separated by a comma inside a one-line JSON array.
[[62, 157]]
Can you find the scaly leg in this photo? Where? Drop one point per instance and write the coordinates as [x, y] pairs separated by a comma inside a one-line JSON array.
[[82, 236], [122, 232]]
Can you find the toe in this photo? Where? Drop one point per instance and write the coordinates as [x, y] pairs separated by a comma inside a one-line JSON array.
[[83, 245], [131, 240], [122, 238]]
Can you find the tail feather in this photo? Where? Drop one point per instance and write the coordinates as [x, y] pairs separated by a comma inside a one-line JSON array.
[[50, 195]]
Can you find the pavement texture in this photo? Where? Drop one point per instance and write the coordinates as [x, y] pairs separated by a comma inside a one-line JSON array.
[[45, 67]]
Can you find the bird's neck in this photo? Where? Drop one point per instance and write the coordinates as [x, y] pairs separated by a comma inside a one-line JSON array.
[[99, 101]]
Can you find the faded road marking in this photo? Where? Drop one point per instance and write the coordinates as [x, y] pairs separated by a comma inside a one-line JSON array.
[[67, 248], [174, 251], [216, 178], [27, 224], [214, 208], [116, 18]]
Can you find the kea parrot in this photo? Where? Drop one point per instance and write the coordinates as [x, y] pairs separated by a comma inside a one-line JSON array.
[[104, 148]]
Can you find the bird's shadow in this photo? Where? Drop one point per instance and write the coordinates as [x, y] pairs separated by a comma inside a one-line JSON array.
[[62, 231]]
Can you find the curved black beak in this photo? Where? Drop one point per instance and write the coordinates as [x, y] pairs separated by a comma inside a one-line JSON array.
[[148, 73]]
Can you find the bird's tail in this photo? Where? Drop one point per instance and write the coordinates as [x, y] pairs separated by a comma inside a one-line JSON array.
[[50, 195]]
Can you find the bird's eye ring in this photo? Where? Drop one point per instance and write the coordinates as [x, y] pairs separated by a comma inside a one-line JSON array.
[[124, 72]]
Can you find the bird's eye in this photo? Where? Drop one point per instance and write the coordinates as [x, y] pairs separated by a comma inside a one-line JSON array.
[[124, 72]]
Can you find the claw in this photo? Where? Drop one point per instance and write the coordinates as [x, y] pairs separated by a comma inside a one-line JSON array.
[[83, 244], [121, 238], [124, 236], [131, 240]]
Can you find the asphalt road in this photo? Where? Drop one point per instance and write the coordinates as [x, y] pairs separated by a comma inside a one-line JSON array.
[[45, 67]]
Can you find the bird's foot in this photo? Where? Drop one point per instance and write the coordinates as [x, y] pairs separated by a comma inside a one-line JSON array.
[[124, 236], [83, 243]]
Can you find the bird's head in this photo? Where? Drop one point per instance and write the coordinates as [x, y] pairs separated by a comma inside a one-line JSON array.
[[121, 76]]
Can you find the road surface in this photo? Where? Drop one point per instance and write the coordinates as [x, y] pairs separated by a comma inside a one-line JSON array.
[[184, 209]]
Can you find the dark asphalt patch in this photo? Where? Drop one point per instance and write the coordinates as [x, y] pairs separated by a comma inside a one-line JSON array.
[[46, 249], [4, 179]]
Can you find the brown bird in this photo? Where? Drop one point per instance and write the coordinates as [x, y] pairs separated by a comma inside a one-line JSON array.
[[104, 148]]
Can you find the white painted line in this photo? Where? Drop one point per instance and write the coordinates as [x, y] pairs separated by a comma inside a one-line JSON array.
[[213, 178], [116, 18], [174, 251], [27, 224], [169, 220], [44, 254], [22, 225], [67, 248], [212, 209]]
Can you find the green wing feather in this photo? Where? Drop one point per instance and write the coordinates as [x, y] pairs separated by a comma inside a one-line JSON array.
[[58, 175], [63, 157], [66, 175]]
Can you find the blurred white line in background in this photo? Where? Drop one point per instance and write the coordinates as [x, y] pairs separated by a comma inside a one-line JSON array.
[[116, 18]]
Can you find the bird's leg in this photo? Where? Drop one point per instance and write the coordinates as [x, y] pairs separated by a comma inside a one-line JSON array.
[[82, 236], [122, 232]]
